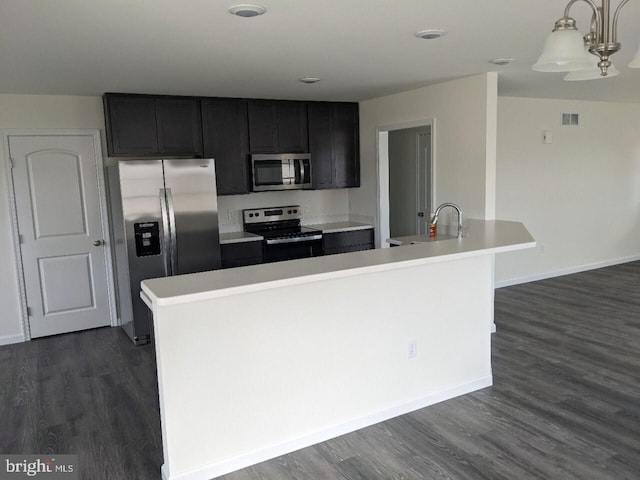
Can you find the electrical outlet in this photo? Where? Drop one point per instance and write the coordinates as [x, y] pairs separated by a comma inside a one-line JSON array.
[[412, 348]]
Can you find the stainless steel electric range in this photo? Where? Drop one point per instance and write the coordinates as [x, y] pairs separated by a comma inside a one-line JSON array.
[[284, 236]]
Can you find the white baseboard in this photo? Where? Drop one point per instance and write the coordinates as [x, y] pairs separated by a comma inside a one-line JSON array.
[[9, 339], [566, 271], [217, 469]]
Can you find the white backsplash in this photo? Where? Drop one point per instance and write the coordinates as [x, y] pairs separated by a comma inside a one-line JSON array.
[[318, 206]]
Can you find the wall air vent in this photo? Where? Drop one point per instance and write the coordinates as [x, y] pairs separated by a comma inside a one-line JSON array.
[[570, 119]]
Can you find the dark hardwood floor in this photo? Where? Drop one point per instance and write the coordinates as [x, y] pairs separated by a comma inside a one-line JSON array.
[[91, 393], [565, 402]]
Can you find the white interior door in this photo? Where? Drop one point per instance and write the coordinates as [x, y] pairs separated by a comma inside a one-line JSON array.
[[57, 191]]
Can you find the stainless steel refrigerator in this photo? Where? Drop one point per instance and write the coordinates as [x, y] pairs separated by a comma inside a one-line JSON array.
[[165, 222]]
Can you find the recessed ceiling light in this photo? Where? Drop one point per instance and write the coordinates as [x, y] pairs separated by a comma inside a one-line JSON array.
[[247, 10], [501, 61], [431, 33], [309, 80]]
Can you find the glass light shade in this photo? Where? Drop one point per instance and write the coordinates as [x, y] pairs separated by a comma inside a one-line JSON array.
[[591, 73], [635, 63], [563, 52]]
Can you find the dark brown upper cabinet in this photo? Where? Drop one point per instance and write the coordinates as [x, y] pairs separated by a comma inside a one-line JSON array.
[[225, 136], [231, 129], [278, 126], [149, 125], [334, 144]]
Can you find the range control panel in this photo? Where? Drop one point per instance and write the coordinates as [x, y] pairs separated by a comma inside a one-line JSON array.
[[272, 214], [147, 237]]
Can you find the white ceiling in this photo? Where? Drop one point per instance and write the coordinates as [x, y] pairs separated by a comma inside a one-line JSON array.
[[360, 48]]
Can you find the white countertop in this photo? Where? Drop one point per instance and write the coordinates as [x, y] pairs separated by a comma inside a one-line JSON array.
[[410, 240], [336, 227], [239, 237], [481, 237]]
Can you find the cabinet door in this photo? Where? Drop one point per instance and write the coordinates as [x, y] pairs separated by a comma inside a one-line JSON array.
[[346, 150], [350, 241], [179, 126], [241, 254], [278, 126], [263, 126], [334, 144], [320, 140], [131, 125], [147, 125], [292, 127], [226, 139]]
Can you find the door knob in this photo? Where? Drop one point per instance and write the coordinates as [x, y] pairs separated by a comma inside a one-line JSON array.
[[97, 243]]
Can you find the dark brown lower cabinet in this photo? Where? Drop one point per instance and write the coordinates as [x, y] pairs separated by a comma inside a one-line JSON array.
[[241, 254], [350, 241]]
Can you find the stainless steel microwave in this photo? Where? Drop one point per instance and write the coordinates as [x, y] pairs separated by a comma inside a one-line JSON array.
[[281, 171]]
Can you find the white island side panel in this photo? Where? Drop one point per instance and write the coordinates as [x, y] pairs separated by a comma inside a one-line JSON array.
[[241, 381]]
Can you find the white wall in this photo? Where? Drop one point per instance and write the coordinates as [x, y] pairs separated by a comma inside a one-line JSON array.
[[579, 196], [32, 111], [464, 132]]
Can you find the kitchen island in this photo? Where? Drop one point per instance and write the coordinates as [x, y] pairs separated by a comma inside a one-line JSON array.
[[258, 361]]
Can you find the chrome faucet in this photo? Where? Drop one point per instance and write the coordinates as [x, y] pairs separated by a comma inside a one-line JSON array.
[[434, 219]]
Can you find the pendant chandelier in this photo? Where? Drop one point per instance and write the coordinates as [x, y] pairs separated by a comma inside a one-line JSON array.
[[585, 57]]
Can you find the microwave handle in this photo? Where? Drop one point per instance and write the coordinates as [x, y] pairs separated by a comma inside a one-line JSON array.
[[300, 171]]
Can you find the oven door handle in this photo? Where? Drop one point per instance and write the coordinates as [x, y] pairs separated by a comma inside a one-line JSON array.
[[279, 241]]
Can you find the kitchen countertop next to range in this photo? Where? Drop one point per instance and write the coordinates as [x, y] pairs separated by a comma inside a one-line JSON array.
[[337, 227], [239, 237], [481, 237]]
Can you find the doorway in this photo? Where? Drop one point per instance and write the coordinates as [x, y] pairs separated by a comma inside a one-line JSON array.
[[406, 178], [60, 231]]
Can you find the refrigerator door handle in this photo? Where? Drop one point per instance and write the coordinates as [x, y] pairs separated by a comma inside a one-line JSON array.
[[166, 233], [173, 251]]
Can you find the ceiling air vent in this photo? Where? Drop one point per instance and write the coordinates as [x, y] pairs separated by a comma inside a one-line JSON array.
[[570, 119]]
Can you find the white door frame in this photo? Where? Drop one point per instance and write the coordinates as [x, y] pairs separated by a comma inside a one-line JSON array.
[[382, 149], [6, 133], [429, 185]]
